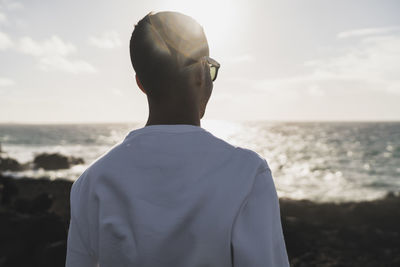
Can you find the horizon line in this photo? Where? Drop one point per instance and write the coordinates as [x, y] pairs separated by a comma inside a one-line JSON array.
[[237, 121]]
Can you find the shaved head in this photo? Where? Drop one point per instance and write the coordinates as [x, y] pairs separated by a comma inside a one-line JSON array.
[[160, 46]]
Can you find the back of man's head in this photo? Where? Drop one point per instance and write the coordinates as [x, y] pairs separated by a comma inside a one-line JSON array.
[[161, 44]]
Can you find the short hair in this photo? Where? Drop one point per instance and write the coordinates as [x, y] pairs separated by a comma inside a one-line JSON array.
[[160, 45]]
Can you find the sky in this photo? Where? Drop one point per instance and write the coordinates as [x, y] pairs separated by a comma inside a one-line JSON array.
[[304, 60]]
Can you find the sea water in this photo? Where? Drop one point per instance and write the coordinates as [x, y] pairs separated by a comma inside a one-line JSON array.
[[320, 161]]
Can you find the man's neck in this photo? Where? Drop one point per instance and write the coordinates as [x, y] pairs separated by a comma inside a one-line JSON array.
[[181, 110], [173, 118]]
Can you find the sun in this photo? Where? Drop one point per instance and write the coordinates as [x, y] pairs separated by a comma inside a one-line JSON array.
[[218, 18]]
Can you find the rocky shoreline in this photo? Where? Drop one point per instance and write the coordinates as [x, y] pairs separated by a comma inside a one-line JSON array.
[[46, 161], [34, 219]]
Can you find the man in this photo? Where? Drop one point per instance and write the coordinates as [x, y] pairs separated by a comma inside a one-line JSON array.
[[173, 194]]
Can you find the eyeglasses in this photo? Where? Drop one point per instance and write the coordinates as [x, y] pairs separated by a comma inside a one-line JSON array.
[[212, 63], [214, 67]]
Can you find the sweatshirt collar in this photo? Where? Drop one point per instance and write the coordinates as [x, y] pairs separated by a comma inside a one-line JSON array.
[[169, 128]]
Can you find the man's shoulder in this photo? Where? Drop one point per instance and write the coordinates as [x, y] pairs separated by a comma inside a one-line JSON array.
[[96, 166], [244, 153], [105, 160], [254, 156], [250, 153]]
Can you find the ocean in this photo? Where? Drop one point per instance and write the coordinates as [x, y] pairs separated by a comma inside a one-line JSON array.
[[319, 161]]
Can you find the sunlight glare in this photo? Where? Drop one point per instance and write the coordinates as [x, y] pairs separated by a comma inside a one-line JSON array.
[[218, 18]]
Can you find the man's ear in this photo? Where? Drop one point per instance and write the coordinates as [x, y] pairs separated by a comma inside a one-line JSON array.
[[199, 74], [139, 84]]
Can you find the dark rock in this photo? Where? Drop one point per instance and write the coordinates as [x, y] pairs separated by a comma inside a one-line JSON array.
[[390, 194], [22, 205], [316, 234], [53, 254], [51, 161], [8, 189], [42, 203], [10, 164], [29, 238], [55, 161], [39, 204], [346, 234], [75, 160]]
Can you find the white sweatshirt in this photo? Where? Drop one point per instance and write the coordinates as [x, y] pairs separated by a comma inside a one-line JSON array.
[[175, 195]]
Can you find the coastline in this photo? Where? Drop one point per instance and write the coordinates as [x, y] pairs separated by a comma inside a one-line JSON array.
[[34, 219]]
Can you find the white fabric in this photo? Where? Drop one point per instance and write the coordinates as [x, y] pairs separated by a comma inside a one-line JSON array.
[[175, 195]]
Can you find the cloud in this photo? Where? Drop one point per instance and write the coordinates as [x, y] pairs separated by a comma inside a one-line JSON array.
[[53, 46], [366, 31], [291, 88], [5, 7], [4, 82], [117, 92], [11, 4], [373, 61], [242, 58], [107, 40], [370, 63], [53, 54], [3, 18], [5, 41], [64, 64]]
